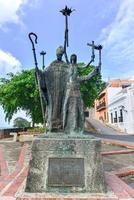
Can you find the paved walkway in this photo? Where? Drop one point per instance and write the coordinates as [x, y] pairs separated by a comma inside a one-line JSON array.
[[12, 182], [106, 132]]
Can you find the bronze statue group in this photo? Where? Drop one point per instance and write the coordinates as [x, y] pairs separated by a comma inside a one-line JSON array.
[[60, 87]]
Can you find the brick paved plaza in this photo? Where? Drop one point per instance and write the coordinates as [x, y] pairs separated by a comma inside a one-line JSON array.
[[118, 165]]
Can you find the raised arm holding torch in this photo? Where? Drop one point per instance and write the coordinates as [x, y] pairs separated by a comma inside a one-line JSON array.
[[93, 55], [66, 12], [95, 47]]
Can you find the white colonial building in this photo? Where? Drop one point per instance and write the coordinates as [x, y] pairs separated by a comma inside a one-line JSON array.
[[121, 109]]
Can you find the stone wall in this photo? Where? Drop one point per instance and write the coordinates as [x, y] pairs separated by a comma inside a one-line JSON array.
[[5, 133]]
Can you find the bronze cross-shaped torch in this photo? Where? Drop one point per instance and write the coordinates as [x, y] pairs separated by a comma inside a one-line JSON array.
[[95, 47]]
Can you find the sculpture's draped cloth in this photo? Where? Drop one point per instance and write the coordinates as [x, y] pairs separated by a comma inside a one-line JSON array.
[[73, 114], [53, 82]]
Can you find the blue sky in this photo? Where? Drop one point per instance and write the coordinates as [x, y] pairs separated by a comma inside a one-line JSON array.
[[108, 22]]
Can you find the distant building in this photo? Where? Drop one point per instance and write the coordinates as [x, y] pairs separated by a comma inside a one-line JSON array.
[[101, 112], [121, 110], [102, 102]]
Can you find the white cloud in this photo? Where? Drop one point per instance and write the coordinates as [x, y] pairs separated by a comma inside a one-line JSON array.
[[118, 38], [8, 63], [11, 11]]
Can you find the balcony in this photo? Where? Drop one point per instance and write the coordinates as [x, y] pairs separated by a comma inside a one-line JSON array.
[[101, 106], [101, 95]]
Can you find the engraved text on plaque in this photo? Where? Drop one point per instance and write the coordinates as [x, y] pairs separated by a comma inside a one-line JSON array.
[[66, 172]]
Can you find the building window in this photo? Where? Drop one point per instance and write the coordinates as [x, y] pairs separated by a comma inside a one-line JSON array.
[[115, 119], [112, 118], [121, 116]]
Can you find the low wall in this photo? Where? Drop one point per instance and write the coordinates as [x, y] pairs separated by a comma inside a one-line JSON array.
[[5, 133]]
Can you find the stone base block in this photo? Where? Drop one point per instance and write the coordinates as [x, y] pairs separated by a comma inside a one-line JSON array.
[[66, 165], [80, 196]]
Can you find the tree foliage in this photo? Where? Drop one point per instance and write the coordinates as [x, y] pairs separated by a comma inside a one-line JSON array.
[[20, 92], [20, 122], [90, 89]]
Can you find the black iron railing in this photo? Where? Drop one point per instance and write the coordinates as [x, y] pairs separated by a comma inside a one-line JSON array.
[[101, 106]]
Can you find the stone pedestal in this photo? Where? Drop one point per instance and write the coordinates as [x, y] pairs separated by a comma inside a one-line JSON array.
[[66, 164]]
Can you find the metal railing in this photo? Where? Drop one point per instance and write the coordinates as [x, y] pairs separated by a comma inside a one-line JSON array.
[[101, 106]]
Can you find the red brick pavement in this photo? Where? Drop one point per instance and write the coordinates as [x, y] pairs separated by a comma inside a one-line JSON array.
[[129, 145], [17, 182], [119, 187], [7, 198], [106, 197], [3, 164], [124, 172], [117, 152], [19, 166], [20, 163]]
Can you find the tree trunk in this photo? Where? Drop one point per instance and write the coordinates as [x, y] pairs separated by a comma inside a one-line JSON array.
[[33, 124]]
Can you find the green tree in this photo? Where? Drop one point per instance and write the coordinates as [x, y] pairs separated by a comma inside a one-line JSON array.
[[20, 92], [20, 122], [90, 89]]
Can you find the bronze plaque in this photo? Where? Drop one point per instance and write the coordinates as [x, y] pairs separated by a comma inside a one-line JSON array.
[[66, 172]]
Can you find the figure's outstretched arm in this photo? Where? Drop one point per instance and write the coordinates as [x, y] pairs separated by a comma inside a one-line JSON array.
[[87, 65], [90, 75]]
